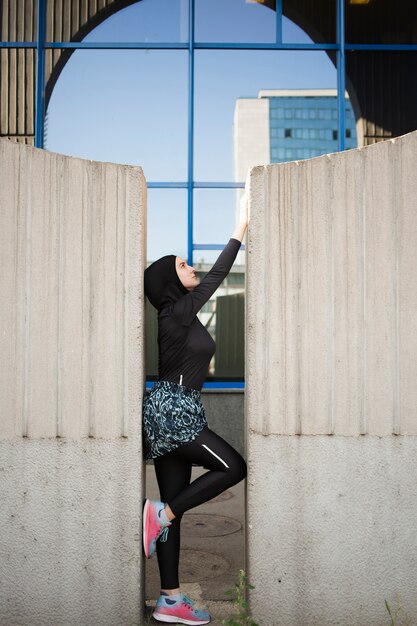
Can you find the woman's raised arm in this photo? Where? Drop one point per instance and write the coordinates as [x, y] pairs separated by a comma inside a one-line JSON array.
[[187, 307]]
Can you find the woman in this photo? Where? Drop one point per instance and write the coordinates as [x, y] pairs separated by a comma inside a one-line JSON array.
[[176, 433]]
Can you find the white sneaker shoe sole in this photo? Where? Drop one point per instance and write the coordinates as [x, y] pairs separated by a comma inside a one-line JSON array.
[[171, 619]]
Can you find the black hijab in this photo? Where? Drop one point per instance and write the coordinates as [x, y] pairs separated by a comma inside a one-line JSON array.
[[162, 283]]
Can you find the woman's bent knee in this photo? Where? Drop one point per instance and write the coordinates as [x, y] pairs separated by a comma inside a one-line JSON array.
[[239, 469]]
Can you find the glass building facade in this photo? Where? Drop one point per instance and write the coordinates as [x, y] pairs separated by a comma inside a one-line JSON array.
[[173, 86], [304, 125]]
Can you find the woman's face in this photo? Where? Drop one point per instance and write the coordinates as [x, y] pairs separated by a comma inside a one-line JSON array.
[[186, 273]]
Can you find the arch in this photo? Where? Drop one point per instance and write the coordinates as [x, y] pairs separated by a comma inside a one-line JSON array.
[[368, 74], [94, 21]]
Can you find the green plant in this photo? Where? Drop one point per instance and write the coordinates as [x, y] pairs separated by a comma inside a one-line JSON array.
[[240, 617], [390, 614], [403, 619]]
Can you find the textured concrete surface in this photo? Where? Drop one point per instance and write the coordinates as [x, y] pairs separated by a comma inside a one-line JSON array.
[[330, 401], [70, 546], [340, 537], [72, 240], [72, 254], [226, 416], [331, 293]]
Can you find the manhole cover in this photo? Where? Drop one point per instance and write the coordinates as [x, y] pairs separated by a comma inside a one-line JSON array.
[[205, 525], [196, 565]]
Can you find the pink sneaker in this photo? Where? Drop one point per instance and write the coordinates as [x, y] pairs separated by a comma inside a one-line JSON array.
[[179, 611], [153, 527]]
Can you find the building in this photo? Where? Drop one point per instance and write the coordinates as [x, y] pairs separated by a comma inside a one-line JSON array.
[[287, 125], [303, 123]]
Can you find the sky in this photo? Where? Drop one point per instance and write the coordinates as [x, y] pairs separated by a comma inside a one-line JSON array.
[[131, 106]]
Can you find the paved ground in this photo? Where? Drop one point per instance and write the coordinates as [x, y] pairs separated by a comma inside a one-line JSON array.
[[212, 550]]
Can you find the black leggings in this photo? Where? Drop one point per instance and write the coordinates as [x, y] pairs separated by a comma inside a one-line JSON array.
[[173, 472]]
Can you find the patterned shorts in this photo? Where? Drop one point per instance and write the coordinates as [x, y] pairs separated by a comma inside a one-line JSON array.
[[172, 415]]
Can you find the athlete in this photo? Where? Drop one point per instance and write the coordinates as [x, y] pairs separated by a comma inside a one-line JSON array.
[[175, 429]]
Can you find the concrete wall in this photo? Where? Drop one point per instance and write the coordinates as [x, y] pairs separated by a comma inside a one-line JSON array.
[[331, 395], [225, 415], [73, 250]]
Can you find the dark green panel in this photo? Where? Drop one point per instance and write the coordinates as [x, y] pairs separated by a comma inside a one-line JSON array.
[[151, 339], [230, 346]]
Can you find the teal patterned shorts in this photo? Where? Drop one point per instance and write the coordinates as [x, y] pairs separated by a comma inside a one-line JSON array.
[[172, 415]]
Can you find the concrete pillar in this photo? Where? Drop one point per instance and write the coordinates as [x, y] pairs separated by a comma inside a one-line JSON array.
[[331, 395], [73, 251]]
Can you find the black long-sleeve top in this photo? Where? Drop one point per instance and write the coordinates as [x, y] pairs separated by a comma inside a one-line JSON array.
[[185, 346]]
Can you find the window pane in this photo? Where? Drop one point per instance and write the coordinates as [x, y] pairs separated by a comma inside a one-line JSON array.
[[381, 22], [123, 106], [166, 223], [166, 234], [17, 94], [232, 104], [309, 22], [384, 93], [205, 256], [232, 21], [18, 21], [214, 215], [147, 20], [312, 134]]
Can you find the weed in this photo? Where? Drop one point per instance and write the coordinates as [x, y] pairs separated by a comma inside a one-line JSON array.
[[403, 618], [240, 617], [390, 614]]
